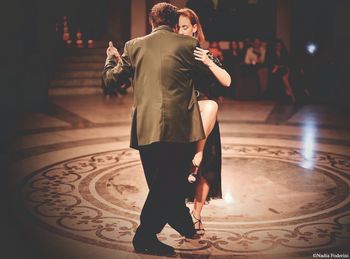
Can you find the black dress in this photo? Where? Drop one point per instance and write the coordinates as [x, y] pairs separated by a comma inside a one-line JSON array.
[[277, 88], [210, 167]]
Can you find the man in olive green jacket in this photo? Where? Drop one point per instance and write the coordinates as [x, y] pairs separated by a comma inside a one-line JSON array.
[[166, 120]]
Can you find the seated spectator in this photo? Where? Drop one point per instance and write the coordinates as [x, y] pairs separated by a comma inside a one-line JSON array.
[[235, 53], [280, 86], [255, 54], [241, 46], [255, 59], [233, 58], [247, 42]]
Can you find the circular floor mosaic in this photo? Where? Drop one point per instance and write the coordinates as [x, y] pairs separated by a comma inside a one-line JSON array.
[[282, 204]]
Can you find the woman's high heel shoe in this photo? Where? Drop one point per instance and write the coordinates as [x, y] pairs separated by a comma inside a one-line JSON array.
[[192, 177], [198, 222]]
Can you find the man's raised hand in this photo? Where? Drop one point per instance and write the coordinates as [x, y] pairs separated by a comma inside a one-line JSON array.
[[112, 51]]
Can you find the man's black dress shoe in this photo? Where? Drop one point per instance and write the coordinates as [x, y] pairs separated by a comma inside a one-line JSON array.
[[151, 245]]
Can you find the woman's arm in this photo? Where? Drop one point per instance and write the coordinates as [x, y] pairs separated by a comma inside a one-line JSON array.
[[221, 74]]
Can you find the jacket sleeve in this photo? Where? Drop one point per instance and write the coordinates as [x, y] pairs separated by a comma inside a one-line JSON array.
[[117, 73]]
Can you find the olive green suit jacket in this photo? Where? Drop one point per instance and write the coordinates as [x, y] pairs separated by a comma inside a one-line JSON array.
[[162, 67]]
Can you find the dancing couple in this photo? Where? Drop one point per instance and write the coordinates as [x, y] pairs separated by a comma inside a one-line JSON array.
[[174, 123]]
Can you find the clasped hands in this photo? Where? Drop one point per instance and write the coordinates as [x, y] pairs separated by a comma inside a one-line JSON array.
[[112, 51]]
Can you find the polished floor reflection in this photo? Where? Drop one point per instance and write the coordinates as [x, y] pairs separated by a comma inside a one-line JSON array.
[[78, 189]]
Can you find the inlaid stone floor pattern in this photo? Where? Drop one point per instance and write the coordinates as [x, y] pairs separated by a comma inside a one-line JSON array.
[[78, 189]]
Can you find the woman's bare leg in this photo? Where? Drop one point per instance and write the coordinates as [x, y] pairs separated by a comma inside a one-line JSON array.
[[202, 191], [209, 111]]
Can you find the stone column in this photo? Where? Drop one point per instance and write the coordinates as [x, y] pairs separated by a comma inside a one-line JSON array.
[[284, 21], [138, 18]]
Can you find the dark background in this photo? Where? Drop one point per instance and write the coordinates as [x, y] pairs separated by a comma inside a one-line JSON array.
[[31, 46]]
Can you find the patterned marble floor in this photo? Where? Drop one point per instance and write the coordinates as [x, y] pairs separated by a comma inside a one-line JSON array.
[[77, 189]]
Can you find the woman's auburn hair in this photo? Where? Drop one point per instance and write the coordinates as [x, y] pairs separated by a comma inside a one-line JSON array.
[[190, 14]]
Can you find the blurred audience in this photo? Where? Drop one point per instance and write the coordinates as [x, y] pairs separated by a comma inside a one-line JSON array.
[[256, 53], [215, 49], [255, 57], [234, 55], [298, 82], [233, 58], [279, 71]]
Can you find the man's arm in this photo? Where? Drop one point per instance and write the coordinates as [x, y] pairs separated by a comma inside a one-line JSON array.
[[114, 73]]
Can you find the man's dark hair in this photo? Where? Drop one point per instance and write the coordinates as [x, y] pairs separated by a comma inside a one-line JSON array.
[[163, 14]]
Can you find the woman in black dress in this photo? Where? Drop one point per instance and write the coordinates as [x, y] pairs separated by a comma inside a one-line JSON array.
[[281, 88], [233, 58], [206, 170]]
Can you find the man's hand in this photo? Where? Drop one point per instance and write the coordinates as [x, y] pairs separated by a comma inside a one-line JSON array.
[[112, 51]]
